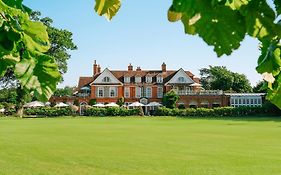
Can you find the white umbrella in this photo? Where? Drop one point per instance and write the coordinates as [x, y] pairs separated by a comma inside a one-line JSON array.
[[99, 105], [195, 84], [111, 105], [34, 104], [61, 104], [136, 104], [156, 104], [2, 110]]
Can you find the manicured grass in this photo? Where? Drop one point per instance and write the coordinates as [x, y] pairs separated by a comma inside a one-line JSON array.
[[94, 146]]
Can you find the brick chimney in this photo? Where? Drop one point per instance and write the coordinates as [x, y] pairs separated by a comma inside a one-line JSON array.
[[138, 69], [164, 67], [95, 68], [130, 67], [98, 69]]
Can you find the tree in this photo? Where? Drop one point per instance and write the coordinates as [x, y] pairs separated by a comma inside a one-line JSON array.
[[121, 101], [61, 41], [218, 77], [66, 91], [92, 102], [260, 87], [170, 99], [23, 44], [224, 24]]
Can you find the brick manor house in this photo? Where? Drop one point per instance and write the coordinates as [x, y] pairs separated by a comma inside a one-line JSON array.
[[147, 86]]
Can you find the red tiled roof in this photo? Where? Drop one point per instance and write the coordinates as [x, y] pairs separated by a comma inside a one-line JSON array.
[[119, 74]]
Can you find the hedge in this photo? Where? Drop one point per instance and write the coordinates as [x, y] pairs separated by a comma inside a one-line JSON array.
[[112, 112], [218, 112], [49, 111]]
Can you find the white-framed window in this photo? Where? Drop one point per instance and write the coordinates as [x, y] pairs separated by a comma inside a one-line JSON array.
[[138, 79], [148, 79], [143, 92], [138, 92], [106, 79], [100, 92], [113, 92], [148, 92], [127, 79], [181, 79], [159, 79], [127, 92], [160, 92]]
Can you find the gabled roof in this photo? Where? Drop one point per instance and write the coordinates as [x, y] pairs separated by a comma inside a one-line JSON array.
[[106, 73], [119, 74], [180, 73]]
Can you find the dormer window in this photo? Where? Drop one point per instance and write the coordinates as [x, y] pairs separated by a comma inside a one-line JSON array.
[[181, 80], [106, 80], [159, 79], [127, 79], [138, 79], [148, 79]]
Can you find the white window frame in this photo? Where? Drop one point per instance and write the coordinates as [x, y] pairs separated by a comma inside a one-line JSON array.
[[160, 91], [115, 92], [127, 92], [100, 89], [181, 80], [106, 79], [138, 79], [138, 92], [148, 95], [148, 79], [127, 79], [159, 79]]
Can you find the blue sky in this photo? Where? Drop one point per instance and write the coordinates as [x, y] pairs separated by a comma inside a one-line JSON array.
[[140, 34]]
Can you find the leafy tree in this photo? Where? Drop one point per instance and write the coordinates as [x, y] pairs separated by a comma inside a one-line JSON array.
[[121, 101], [23, 44], [66, 91], [224, 24], [8, 96], [170, 99], [260, 87], [93, 102], [218, 77], [61, 41]]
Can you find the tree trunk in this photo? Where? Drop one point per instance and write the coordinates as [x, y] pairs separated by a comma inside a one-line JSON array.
[[21, 100]]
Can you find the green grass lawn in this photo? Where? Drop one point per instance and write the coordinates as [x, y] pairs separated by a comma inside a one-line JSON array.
[[94, 146]]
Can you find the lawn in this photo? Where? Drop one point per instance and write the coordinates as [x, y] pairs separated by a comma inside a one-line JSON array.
[[94, 146]]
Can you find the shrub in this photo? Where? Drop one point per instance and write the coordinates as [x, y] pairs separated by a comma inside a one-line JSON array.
[[216, 112], [92, 102], [50, 111], [181, 106], [112, 112]]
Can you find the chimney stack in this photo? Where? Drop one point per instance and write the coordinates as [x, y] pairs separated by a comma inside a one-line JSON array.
[[164, 67], [130, 67], [95, 68], [138, 69], [98, 69]]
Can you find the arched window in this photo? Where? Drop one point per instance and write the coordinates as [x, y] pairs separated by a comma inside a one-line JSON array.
[[181, 79], [106, 79]]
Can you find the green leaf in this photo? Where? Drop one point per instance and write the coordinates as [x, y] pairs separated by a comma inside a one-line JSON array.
[[270, 60], [278, 6], [274, 95], [39, 73], [108, 8], [259, 19], [7, 61], [174, 16], [188, 22], [236, 4], [34, 38]]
